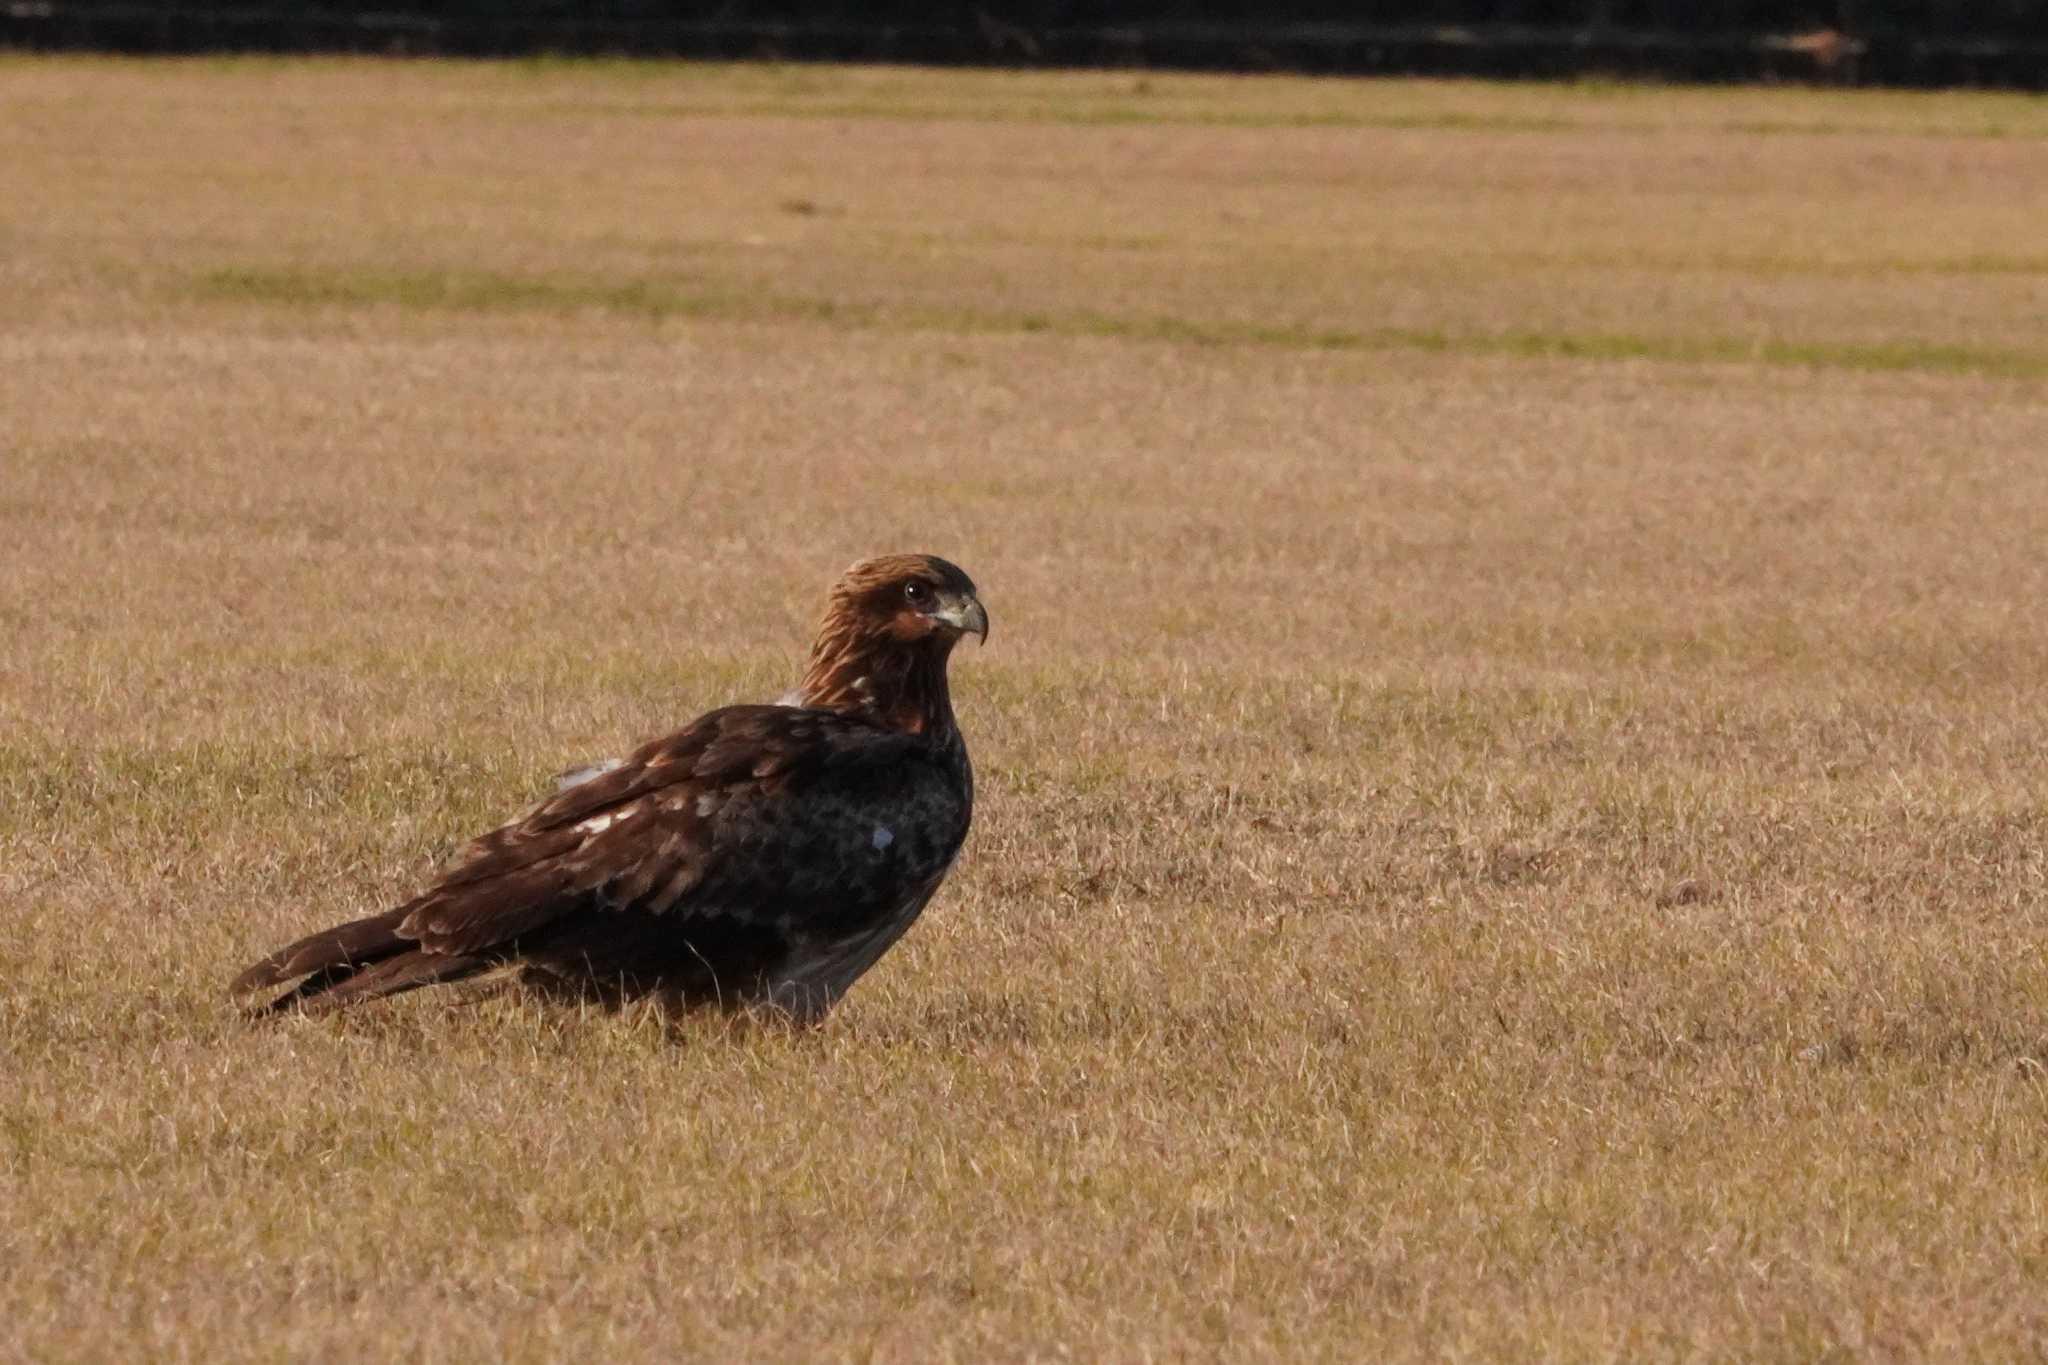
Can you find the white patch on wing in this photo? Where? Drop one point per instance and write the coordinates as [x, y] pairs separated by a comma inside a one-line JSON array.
[[598, 824], [576, 777], [883, 838]]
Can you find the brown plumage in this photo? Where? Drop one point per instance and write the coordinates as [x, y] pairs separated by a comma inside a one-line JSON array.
[[762, 855]]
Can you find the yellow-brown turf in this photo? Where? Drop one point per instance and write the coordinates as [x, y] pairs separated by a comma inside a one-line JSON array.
[[1513, 768]]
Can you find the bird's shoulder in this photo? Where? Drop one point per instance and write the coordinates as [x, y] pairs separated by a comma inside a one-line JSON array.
[[727, 761]]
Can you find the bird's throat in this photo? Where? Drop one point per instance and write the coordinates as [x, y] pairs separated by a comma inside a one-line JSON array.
[[895, 685]]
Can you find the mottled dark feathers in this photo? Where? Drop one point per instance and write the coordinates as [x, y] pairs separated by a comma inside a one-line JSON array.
[[762, 854]]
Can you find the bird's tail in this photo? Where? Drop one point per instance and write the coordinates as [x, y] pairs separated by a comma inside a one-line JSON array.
[[351, 962]]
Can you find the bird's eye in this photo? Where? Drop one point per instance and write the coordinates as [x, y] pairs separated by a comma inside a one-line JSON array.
[[917, 593]]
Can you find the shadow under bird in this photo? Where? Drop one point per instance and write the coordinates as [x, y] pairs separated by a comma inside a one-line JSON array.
[[762, 856]]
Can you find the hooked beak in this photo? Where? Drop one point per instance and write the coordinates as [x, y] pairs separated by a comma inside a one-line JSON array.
[[966, 616]]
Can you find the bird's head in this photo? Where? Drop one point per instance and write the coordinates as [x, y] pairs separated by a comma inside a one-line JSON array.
[[910, 599], [890, 623]]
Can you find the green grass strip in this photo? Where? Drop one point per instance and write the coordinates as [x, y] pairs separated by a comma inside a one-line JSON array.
[[472, 291]]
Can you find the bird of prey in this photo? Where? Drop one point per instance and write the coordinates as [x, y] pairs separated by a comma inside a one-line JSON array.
[[761, 856]]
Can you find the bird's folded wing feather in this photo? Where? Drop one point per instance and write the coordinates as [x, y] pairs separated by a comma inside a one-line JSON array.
[[753, 811], [583, 772]]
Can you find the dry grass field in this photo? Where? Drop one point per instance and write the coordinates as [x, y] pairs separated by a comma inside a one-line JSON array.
[[1513, 754]]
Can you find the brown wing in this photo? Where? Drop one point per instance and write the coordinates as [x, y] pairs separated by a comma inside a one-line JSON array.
[[759, 817]]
